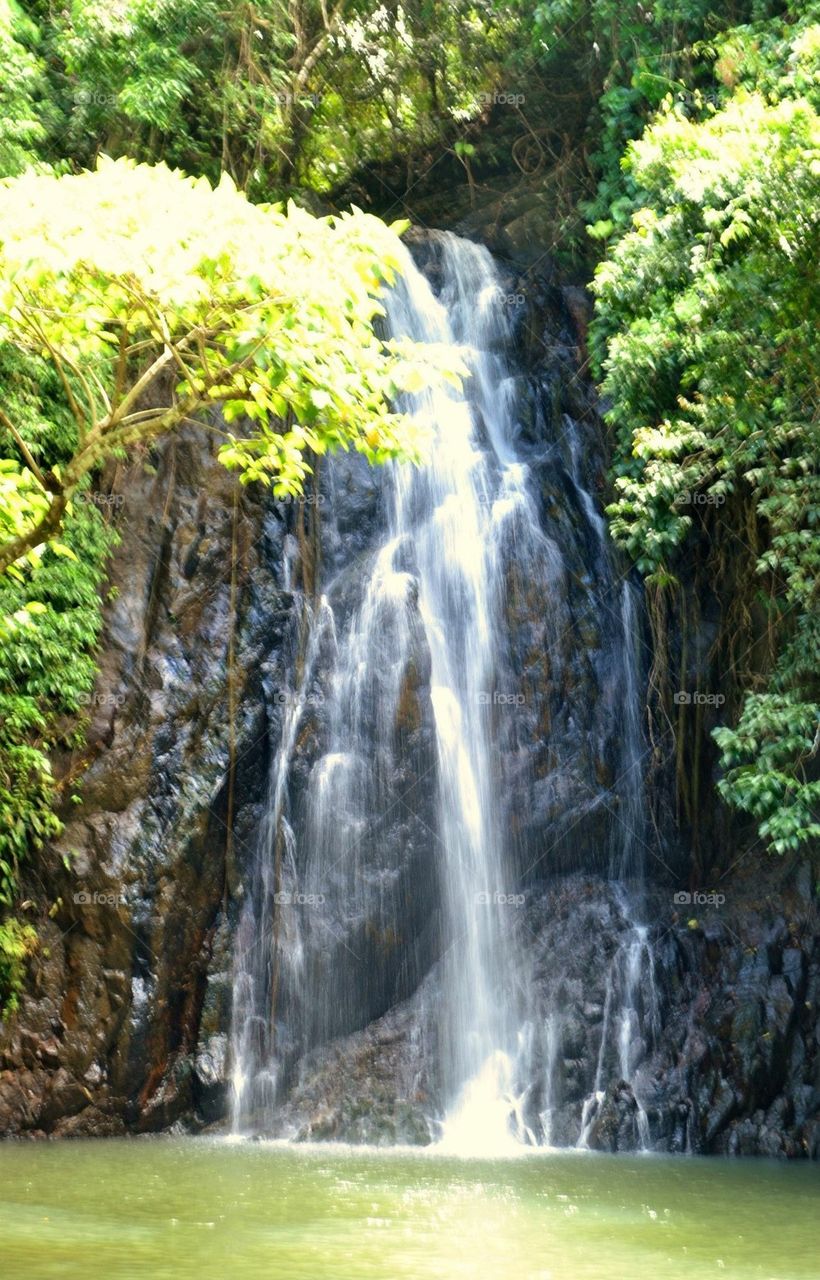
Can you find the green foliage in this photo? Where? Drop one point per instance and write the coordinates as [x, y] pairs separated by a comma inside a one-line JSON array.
[[17, 942], [49, 624], [135, 282], [127, 80], [21, 125], [276, 94], [778, 58], [765, 757], [629, 59], [705, 340]]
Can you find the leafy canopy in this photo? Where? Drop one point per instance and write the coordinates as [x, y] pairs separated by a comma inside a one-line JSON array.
[[154, 296], [277, 93], [22, 128]]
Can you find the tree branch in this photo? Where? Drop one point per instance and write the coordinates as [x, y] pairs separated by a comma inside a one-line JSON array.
[[151, 374], [47, 527], [24, 449], [40, 333]]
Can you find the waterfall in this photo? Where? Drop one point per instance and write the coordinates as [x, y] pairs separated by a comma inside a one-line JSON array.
[[631, 1010], [436, 589], [630, 1026], [630, 830], [268, 958], [456, 513], [390, 846]]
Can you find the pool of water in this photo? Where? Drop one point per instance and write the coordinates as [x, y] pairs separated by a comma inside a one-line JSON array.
[[177, 1208]]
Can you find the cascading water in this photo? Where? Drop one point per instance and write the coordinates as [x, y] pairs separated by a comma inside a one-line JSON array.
[[630, 1025], [630, 833], [397, 845], [631, 1009], [437, 587], [268, 959], [457, 514]]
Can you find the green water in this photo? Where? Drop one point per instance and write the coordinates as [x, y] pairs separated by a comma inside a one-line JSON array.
[[173, 1209]]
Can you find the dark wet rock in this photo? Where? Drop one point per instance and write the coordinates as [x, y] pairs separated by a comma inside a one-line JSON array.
[[210, 1081], [130, 958], [615, 1126], [372, 1087], [92, 1122], [734, 1067], [739, 1036]]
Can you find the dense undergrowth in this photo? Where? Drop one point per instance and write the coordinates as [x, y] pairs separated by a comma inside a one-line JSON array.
[[49, 624], [705, 337]]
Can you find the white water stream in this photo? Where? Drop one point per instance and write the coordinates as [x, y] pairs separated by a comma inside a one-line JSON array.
[[436, 584]]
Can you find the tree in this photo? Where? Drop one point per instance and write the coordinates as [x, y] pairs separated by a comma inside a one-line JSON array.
[[280, 94], [21, 128], [705, 337], [154, 297]]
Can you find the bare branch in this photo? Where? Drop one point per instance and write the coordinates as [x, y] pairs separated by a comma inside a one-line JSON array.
[[121, 366], [150, 375]]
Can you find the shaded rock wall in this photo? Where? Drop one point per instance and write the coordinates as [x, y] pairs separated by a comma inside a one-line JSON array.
[[124, 1022], [741, 1037]]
